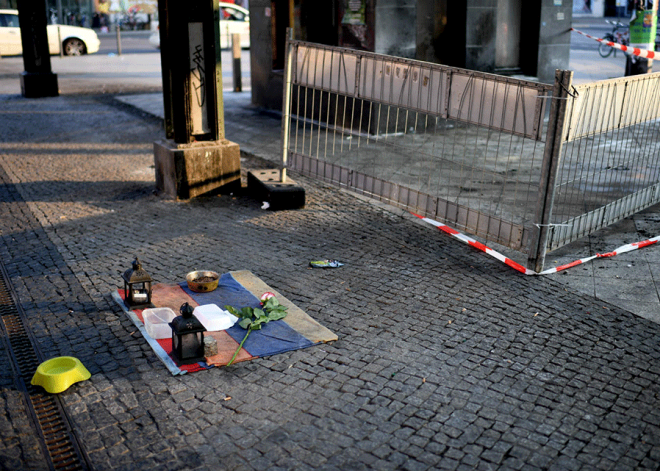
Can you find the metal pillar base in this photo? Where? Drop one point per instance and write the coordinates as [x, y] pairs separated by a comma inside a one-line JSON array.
[[39, 84], [266, 185], [185, 171]]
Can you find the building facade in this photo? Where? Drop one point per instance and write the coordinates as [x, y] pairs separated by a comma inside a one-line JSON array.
[[509, 37]]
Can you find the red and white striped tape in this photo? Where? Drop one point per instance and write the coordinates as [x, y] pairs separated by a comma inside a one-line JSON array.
[[635, 51], [516, 266]]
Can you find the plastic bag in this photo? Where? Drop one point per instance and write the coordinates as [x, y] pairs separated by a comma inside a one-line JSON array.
[[325, 264]]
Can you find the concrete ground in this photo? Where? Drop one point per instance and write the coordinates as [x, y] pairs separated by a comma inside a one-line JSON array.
[[446, 359]]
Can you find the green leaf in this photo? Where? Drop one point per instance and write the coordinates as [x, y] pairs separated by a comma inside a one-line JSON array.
[[280, 309], [246, 312], [256, 324], [271, 303], [276, 315], [245, 323], [255, 318]]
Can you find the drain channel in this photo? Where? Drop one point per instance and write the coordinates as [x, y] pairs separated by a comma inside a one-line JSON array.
[[58, 440]]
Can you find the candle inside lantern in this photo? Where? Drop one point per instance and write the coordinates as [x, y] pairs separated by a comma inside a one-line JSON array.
[[139, 297]]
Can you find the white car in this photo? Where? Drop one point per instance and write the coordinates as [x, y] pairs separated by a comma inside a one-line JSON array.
[[74, 40], [233, 19]]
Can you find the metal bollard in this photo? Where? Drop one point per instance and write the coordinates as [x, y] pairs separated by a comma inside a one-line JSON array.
[[236, 52], [59, 40], [118, 41]]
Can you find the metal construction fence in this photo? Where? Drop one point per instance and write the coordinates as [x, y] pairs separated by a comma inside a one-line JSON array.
[[610, 163], [527, 165]]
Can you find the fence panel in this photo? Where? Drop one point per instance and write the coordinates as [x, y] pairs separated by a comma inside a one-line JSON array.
[[467, 96], [460, 146], [610, 166], [467, 148], [503, 104], [609, 105]]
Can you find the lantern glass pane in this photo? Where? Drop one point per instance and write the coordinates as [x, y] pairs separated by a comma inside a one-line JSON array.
[[139, 293], [190, 344]]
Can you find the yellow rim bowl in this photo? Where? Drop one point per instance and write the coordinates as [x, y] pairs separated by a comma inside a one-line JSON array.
[[57, 374], [202, 286]]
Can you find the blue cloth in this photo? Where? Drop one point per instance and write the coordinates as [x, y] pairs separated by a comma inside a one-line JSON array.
[[274, 337], [229, 292]]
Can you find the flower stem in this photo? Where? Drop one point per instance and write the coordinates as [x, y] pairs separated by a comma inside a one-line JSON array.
[[239, 347]]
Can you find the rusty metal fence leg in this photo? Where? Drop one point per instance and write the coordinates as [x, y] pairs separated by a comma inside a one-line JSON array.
[[550, 166], [286, 105]]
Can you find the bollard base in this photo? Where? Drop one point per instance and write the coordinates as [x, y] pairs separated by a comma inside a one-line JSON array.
[[185, 171], [266, 185], [39, 84], [638, 66]]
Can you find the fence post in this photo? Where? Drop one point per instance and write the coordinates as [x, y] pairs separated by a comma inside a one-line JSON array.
[[236, 53], [286, 104], [549, 169], [59, 40], [118, 40]]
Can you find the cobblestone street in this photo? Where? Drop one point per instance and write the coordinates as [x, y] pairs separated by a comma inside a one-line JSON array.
[[446, 359]]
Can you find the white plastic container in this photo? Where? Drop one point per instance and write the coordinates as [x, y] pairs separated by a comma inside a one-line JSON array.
[[156, 322], [213, 318]]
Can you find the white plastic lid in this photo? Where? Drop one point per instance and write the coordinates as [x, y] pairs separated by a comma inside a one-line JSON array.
[[213, 318]]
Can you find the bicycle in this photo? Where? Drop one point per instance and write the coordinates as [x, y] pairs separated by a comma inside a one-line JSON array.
[[616, 36]]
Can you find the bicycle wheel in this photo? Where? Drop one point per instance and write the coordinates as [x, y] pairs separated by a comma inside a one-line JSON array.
[[603, 49]]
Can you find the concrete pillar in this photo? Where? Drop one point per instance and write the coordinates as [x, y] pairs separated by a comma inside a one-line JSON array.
[[481, 35], [37, 80], [396, 32], [195, 158], [554, 38], [265, 83], [188, 170]]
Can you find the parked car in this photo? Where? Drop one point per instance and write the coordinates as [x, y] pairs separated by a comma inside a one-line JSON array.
[[74, 40], [233, 19]]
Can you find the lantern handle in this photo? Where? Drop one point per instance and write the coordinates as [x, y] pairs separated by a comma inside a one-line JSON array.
[[136, 264], [186, 310]]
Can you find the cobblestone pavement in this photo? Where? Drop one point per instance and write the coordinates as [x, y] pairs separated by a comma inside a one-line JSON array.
[[445, 359], [260, 135]]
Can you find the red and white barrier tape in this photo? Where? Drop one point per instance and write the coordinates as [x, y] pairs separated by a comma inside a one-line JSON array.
[[516, 266], [635, 51]]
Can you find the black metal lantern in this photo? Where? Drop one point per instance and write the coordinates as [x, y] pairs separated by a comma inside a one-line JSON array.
[[187, 336], [137, 286]]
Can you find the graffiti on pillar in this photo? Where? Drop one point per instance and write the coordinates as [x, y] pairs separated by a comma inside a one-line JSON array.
[[198, 91], [197, 73]]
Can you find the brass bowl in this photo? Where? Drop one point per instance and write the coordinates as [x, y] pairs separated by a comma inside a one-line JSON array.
[[202, 286]]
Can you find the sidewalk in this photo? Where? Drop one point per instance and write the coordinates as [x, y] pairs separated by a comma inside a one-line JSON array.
[[446, 358]]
